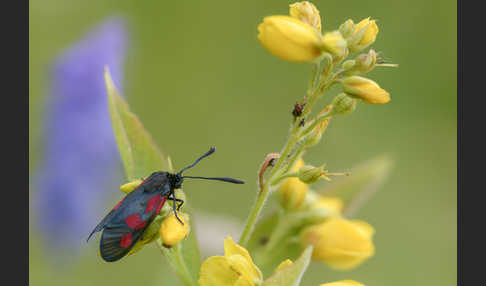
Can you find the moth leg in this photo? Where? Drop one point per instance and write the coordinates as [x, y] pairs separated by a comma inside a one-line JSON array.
[[179, 201], [174, 200]]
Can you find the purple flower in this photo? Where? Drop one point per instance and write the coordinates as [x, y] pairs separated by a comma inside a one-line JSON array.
[[81, 159]]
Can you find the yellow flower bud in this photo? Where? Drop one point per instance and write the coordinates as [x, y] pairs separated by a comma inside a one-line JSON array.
[[343, 283], [365, 89], [289, 39], [366, 62], [292, 190], [316, 134], [129, 187], [332, 204], [283, 264], [307, 13], [235, 268], [334, 43], [344, 104], [364, 35], [172, 231], [341, 243], [349, 64], [347, 28]]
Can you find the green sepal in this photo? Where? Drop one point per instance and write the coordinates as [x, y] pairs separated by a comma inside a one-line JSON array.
[[292, 274]]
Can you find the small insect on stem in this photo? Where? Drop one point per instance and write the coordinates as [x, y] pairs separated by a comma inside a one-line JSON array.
[[297, 111]]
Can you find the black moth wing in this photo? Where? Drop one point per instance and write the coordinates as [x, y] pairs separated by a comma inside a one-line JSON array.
[[127, 200], [149, 185], [129, 221]]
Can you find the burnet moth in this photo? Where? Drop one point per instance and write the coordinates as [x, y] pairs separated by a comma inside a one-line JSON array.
[[126, 223]]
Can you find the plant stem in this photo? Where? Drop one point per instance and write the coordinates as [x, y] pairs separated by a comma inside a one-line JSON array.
[[291, 141], [175, 258]]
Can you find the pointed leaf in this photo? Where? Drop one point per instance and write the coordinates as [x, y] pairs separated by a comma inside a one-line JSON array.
[[139, 153], [140, 158]]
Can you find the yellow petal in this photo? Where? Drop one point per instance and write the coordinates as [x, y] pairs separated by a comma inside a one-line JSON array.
[[289, 38], [335, 205], [216, 271], [334, 43], [283, 264], [306, 12], [129, 187], [341, 243], [367, 228], [243, 282], [363, 23], [172, 231], [231, 248], [243, 267], [343, 283], [365, 89]]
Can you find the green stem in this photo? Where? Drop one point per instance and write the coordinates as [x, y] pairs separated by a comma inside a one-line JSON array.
[[175, 258], [285, 176], [293, 138], [316, 122]]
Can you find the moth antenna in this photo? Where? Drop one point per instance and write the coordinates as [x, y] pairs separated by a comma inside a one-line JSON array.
[[224, 179], [211, 151]]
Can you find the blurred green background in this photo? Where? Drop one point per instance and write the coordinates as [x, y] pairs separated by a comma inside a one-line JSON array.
[[197, 76]]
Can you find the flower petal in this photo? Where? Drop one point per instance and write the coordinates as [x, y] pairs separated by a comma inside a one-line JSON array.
[[216, 271], [231, 249]]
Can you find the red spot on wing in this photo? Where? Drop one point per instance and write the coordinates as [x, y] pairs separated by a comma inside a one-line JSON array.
[[117, 205], [126, 240], [152, 203], [157, 211], [134, 221]]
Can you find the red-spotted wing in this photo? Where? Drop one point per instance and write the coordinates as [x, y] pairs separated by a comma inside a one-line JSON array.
[[127, 222]]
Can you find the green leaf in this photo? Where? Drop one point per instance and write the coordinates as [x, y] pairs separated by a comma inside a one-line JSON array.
[[291, 275], [191, 254], [138, 151], [140, 158]]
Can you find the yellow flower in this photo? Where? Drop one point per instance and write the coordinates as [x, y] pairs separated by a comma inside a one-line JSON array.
[[292, 190], [172, 231], [341, 243], [334, 43], [289, 39], [235, 268], [129, 187], [334, 205], [343, 283], [364, 35], [365, 89], [307, 13]]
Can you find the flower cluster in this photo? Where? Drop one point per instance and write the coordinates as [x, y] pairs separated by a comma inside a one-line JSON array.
[[298, 38], [307, 217]]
